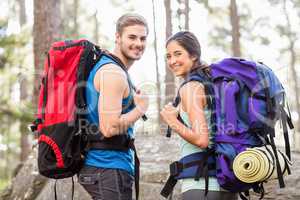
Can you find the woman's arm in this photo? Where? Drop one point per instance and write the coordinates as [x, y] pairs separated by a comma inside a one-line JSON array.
[[193, 101]]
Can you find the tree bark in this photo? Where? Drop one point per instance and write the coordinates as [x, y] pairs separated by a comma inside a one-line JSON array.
[[292, 51], [75, 18], [22, 12], [46, 29], [235, 32], [24, 143], [96, 30], [186, 14], [24, 140], [169, 78], [158, 100]]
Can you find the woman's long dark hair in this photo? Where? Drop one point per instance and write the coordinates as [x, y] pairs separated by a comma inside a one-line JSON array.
[[191, 44]]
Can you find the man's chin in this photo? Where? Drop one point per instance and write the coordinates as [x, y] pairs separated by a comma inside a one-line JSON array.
[[135, 57]]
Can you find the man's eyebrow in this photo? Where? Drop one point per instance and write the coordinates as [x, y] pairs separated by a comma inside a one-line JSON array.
[[132, 35]]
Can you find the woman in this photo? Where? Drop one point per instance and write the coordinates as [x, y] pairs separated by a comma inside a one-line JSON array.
[[183, 57]]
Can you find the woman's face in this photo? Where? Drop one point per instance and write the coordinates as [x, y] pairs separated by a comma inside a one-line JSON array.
[[178, 59]]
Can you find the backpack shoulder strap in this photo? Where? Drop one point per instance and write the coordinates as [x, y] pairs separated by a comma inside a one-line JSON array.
[[121, 64], [199, 76]]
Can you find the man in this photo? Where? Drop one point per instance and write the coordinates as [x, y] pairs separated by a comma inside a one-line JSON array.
[[109, 170]]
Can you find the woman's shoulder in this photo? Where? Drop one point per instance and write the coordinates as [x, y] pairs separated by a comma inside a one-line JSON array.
[[192, 94], [192, 91], [191, 86]]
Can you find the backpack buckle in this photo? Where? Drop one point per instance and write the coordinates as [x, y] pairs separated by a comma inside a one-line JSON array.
[[33, 126], [176, 168]]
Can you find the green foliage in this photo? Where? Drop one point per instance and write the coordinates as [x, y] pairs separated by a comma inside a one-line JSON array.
[[206, 5], [251, 27], [68, 24], [10, 46], [13, 55], [3, 183], [220, 37]]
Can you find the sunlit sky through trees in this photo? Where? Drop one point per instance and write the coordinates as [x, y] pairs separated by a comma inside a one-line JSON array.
[[143, 71]]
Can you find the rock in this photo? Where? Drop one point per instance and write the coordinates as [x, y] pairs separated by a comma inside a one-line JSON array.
[[63, 190], [28, 183], [156, 152]]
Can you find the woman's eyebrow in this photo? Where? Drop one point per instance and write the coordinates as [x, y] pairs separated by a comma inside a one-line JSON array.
[[177, 51]]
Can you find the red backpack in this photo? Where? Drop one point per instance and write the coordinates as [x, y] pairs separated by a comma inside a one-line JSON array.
[[60, 105], [64, 134]]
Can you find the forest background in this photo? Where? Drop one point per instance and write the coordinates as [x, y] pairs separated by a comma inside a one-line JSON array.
[[265, 30]]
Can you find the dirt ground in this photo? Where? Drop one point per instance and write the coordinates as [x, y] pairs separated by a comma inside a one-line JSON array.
[[156, 152]]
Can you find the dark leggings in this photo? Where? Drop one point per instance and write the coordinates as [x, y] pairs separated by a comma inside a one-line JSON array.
[[211, 195]]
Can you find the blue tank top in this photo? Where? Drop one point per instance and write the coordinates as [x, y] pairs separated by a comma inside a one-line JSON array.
[[107, 158]]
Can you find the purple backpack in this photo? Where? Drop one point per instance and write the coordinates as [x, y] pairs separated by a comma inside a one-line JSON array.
[[247, 100]]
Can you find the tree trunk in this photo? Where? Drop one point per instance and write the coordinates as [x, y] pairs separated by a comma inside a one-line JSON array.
[[28, 183], [158, 101], [24, 143], [75, 18], [22, 12], [168, 18], [235, 32], [46, 29], [186, 14], [292, 50], [169, 78], [8, 149], [96, 30], [296, 89]]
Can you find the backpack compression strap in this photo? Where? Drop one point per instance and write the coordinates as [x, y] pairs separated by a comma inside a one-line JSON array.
[[270, 131]]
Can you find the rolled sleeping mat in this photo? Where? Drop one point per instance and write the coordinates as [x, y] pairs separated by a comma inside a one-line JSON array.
[[258, 164]]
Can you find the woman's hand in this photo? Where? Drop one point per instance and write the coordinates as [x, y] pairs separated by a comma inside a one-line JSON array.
[[141, 101], [169, 114]]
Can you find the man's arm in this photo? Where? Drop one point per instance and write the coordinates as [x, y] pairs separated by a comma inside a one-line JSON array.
[[111, 82]]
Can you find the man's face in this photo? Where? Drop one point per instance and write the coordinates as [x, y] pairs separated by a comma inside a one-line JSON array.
[[132, 41]]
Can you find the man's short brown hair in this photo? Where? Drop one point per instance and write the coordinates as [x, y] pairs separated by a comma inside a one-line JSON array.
[[130, 19]]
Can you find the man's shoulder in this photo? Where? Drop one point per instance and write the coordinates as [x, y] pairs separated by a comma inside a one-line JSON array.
[[111, 73], [106, 62], [112, 67]]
